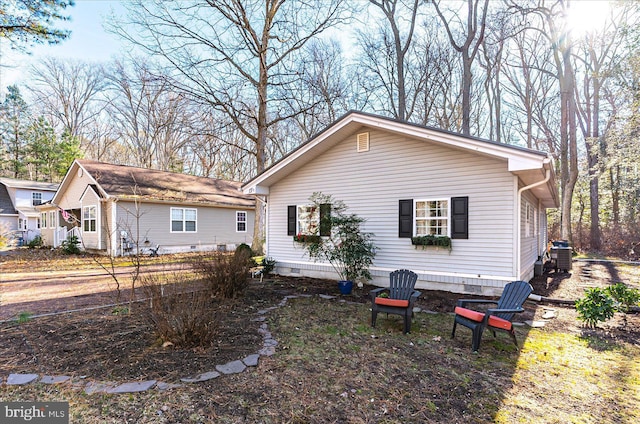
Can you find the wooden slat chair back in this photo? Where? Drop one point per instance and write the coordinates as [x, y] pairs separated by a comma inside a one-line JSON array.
[[401, 297], [401, 284], [499, 318]]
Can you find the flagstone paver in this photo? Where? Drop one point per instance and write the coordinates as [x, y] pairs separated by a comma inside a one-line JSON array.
[[54, 379], [251, 360], [162, 386], [93, 387], [18, 379], [139, 386], [234, 367], [201, 377]]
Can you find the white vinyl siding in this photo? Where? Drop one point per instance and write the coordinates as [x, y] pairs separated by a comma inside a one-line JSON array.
[[531, 243], [217, 226], [402, 168]]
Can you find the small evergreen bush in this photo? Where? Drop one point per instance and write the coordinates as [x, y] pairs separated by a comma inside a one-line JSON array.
[[35, 242], [600, 304], [71, 245]]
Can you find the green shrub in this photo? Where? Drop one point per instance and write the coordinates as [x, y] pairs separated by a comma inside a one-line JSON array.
[[70, 245], [35, 242], [268, 264], [243, 249], [595, 307], [599, 304], [624, 296]]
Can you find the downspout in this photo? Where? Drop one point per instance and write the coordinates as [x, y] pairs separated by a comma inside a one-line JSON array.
[[519, 220]]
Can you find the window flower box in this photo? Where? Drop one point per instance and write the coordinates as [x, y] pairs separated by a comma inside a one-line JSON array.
[[307, 238], [431, 241]]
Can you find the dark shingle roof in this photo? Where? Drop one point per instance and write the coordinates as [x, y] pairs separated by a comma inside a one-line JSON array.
[[6, 206], [151, 184]]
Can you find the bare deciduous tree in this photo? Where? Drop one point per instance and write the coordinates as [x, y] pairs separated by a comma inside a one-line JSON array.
[[230, 54], [472, 36], [68, 92]]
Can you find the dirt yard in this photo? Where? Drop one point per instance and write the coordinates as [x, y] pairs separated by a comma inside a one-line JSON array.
[[108, 345], [123, 346]]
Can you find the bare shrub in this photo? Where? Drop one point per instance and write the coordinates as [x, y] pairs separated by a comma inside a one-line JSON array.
[[225, 275], [181, 312]]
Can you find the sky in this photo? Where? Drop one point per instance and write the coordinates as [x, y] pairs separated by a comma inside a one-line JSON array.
[[89, 41]]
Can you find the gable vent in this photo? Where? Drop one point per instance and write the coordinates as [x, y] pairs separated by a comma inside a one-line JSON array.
[[362, 142]]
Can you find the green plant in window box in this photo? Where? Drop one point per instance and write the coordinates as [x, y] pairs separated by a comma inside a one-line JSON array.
[[307, 238], [432, 240]]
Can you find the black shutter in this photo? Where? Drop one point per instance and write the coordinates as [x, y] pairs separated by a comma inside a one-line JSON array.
[[405, 224], [460, 217], [325, 219], [291, 220]]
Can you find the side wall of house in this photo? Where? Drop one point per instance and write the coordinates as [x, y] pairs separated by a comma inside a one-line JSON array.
[[215, 227], [93, 237], [533, 233], [395, 168]]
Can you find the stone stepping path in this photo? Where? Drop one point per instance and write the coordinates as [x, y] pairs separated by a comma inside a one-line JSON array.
[[234, 367]]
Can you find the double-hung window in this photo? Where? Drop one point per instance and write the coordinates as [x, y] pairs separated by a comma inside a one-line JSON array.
[[309, 220], [183, 220], [43, 219], [435, 217], [52, 219], [241, 221], [36, 199], [89, 218], [432, 217]]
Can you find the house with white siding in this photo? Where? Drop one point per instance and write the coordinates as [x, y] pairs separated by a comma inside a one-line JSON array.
[[410, 180], [19, 219], [120, 210]]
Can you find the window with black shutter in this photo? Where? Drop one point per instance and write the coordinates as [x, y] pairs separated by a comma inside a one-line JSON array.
[[460, 217], [291, 220], [325, 219], [405, 224]]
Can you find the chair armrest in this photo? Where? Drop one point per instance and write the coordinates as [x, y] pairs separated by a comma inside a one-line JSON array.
[[464, 302], [493, 311], [414, 296], [375, 292]]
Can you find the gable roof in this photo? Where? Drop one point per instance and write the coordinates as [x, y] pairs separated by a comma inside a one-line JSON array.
[[28, 184], [6, 205], [129, 183], [531, 166]]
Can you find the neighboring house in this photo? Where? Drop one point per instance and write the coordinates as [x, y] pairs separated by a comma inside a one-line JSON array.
[[116, 209], [19, 218], [408, 180]]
